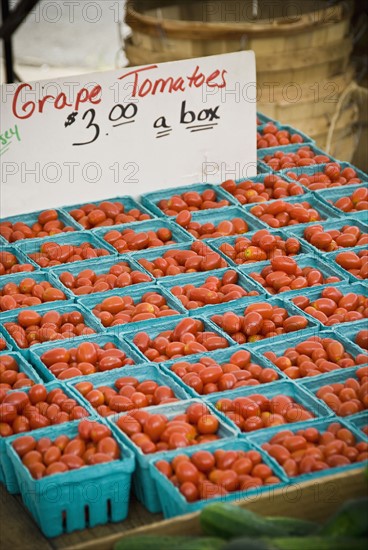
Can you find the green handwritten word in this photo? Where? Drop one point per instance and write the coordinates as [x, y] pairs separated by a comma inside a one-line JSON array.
[[6, 138]]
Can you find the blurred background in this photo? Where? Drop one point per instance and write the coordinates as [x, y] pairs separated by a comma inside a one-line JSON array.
[[312, 55]]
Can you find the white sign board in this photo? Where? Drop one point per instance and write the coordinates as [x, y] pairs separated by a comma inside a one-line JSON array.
[[128, 131]]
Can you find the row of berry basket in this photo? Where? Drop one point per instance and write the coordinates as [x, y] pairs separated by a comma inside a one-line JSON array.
[[85, 387]]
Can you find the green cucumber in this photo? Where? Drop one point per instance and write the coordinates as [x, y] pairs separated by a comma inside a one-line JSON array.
[[350, 520], [295, 526], [296, 543], [228, 521], [153, 542]]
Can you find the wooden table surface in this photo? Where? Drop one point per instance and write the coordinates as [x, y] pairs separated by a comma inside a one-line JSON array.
[[18, 530], [314, 500]]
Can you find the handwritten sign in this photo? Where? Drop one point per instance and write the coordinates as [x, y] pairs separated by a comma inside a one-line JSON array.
[[128, 131]]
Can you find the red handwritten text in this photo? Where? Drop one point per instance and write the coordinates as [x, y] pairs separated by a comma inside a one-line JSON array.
[[25, 109], [144, 86]]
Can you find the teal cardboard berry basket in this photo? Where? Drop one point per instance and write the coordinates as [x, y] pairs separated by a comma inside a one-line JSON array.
[[136, 293], [76, 499], [322, 425], [151, 200], [173, 502], [303, 260], [101, 266], [262, 153], [298, 393], [143, 483], [68, 306], [293, 340], [32, 218], [76, 238], [38, 277], [333, 194], [7, 473], [178, 234], [336, 377], [314, 170], [147, 371], [199, 279], [126, 201], [21, 259], [225, 245], [99, 339], [223, 357]]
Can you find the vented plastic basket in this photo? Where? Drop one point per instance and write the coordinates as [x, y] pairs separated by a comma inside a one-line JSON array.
[[100, 266], [143, 483], [174, 503], [199, 279], [151, 200], [100, 339], [303, 260], [77, 499]]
